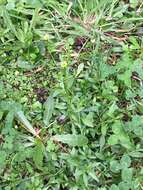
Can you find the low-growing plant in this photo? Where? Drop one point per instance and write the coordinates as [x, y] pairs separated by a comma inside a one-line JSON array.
[[71, 95]]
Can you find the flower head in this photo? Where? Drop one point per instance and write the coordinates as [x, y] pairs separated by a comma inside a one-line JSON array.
[[64, 64], [46, 37]]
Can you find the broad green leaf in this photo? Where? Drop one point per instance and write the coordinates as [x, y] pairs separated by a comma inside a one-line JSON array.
[[127, 174], [124, 186], [117, 128], [125, 141], [71, 140], [21, 117], [10, 106], [106, 70], [115, 166], [126, 77], [125, 161], [125, 63], [38, 154], [113, 139], [9, 119], [114, 187], [14, 110], [88, 120], [49, 108]]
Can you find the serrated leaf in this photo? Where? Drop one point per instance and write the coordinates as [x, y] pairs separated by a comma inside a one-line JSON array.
[[71, 140], [49, 108]]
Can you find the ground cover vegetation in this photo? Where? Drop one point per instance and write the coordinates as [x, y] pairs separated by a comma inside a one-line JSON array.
[[71, 95]]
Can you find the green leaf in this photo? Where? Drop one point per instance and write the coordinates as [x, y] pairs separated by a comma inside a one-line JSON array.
[[134, 3], [135, 44], [136, 154], [125, 161], [79, 69], [9, 119], [106, 70], [10, 5], [24, 65], [10, 106], [114, 187], [125, 141], [126, 77], [2, 158], [71, 140], [1, 88], [85, 180], [112, 109], [8, 21], [113, 139], [115, 166], [21, 117], [124, 186], [38, 154], [127, 174], [102, 142], [117, 128], [34, 17], [88, 120], [1, 114], [34, 3], [49, 108]]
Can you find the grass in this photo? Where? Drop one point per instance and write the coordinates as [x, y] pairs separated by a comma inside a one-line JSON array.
[[71, 97]]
